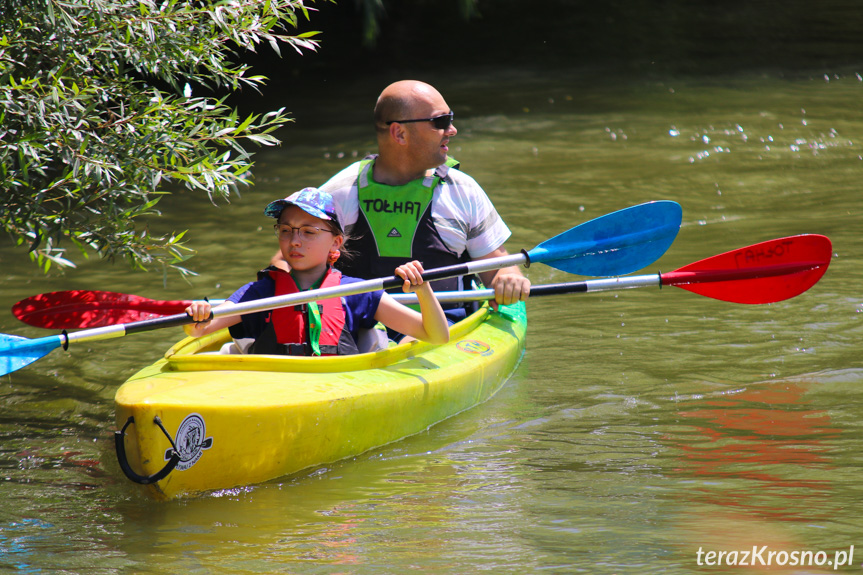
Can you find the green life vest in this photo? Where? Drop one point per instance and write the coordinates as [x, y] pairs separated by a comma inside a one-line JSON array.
[[394, 212]]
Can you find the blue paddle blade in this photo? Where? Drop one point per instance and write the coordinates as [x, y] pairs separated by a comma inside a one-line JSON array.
[[16, 352], [614, 244]]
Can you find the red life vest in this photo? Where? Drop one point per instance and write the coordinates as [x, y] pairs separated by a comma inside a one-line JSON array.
[[287, 331]]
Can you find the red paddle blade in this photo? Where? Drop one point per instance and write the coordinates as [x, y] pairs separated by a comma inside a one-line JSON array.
[[77, 309], [761, 273]]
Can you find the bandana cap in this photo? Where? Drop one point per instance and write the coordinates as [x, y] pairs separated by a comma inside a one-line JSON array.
[[311, 200]]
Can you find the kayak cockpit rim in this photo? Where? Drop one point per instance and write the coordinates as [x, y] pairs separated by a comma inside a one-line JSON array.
[[201, 354]]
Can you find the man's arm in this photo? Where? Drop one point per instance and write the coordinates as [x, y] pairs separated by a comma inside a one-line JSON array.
[[509, 284]]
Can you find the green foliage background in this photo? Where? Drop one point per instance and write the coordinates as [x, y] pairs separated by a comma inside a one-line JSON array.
[[98, 117]]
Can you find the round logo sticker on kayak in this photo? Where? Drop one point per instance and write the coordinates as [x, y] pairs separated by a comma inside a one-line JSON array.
[[475, 347], [191, 441]]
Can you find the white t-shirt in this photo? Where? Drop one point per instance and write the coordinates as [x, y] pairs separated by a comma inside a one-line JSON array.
[[460, 209]]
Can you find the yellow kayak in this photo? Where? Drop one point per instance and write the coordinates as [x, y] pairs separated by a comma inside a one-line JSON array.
[[198, 420]]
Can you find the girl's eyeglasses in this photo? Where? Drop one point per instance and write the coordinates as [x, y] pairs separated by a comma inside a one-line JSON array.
[[307, 233], [441, 122]]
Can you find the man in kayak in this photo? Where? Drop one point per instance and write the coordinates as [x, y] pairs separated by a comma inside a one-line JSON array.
[[411, 202], [311, 240]]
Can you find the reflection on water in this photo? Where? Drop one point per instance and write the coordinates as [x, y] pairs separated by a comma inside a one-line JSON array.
[[766, 436], [765, 469], [641, 425]]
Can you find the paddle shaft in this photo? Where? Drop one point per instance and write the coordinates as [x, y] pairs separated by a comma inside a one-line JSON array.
[[120, 330], [611, 245], [675, 278], [806, 253], [588, 286]]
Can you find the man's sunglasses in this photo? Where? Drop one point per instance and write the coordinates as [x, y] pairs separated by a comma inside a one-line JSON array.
[[441, 122]]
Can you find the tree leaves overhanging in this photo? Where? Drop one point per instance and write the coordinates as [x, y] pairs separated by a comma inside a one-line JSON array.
[[97, 116]]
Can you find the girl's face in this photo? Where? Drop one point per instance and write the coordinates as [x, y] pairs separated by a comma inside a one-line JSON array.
[[306, 248]]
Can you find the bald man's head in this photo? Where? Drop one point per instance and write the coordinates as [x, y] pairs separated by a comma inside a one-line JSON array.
[[402, 100]]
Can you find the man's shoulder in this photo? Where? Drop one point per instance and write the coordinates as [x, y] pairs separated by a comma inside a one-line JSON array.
[[461, 188], [457, 177], [344, 180]]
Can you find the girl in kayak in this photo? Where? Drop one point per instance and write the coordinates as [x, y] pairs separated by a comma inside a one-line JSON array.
[[310, 239]]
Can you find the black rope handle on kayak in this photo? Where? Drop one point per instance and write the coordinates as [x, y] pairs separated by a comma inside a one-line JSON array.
[[120, 445]]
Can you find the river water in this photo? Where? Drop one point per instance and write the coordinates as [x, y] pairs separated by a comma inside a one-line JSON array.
[[641, 428]]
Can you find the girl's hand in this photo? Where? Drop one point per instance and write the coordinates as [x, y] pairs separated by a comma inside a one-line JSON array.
[[200, 312], [430, 324], [411, 272]]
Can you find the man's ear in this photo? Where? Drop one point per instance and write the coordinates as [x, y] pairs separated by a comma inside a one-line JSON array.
[[398, 133]]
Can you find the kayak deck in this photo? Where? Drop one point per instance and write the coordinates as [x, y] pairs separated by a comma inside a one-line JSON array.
[[243, 419]]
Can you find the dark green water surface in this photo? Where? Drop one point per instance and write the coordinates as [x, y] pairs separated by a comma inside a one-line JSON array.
[[640, 427]]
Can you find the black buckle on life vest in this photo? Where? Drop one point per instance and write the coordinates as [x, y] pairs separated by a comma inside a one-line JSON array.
[[300, 349]]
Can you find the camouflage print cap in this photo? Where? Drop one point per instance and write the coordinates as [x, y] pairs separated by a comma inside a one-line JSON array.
[[311, 200]]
